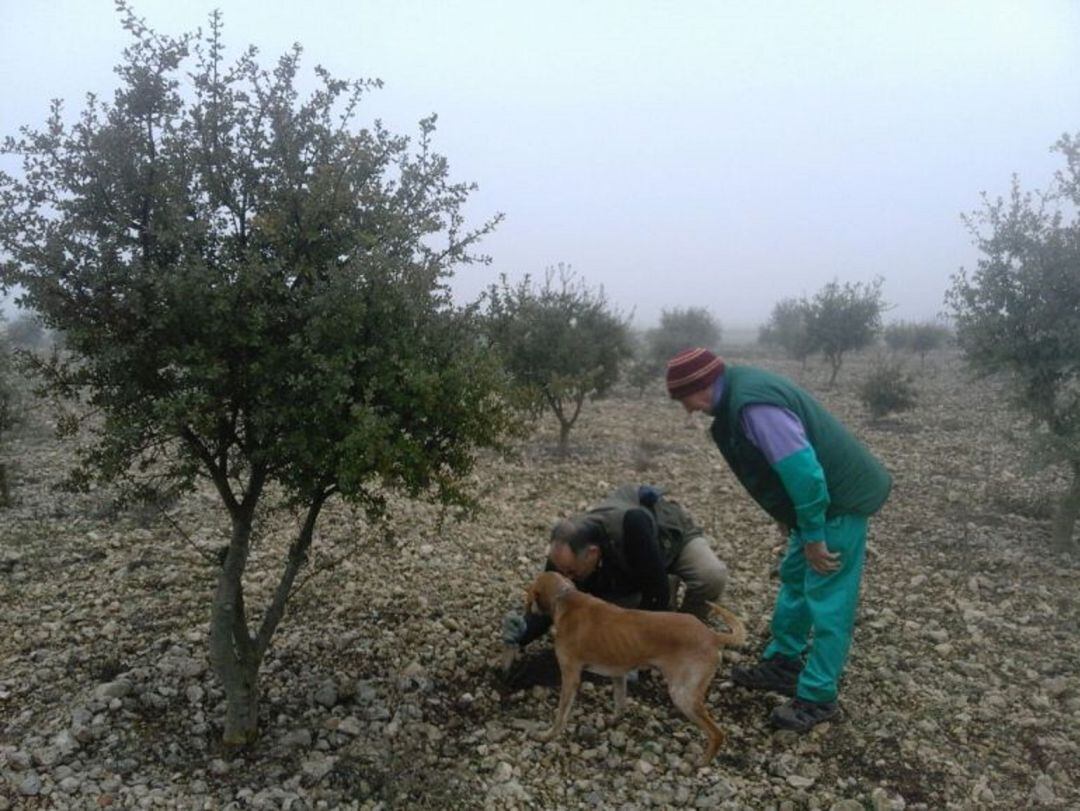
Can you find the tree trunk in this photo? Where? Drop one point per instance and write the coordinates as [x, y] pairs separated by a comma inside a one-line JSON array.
[[241, 706], [1066, 514], [835, 363], [564, 437], [232, 651], [566, 422], [236, 654]]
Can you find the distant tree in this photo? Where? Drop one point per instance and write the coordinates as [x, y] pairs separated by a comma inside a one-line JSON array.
[[842, 318], [682, 328], [1018, 313], [560, 341], [897, 336], [787, 329], [26, 331], [253, 293], [928, 337], [918, 337]]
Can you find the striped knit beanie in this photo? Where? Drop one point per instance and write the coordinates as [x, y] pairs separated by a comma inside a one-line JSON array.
[[692, 370]]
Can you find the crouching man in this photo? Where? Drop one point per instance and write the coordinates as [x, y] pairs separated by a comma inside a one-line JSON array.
[[631, 549]]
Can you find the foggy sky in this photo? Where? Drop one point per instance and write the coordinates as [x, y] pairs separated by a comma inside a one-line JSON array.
[[712, 154]]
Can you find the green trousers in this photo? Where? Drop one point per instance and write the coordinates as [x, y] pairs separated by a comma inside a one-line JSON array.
[[821, 605]]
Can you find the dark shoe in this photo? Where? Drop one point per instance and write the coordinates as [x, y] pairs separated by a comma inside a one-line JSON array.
[[779, 674], [802, 716]]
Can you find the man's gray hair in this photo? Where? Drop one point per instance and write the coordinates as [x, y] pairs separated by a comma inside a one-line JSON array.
[[576, 533]]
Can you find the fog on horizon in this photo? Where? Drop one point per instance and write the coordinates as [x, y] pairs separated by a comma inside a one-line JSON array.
[[707, 154]]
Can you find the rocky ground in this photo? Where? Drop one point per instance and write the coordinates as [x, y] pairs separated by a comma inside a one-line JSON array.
[[381, 689]]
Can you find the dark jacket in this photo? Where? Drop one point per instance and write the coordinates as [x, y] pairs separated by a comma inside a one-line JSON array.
[[640, 535]]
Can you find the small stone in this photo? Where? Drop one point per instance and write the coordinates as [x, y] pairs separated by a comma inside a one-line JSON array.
[[219, 766], [18, 760], [327, 694], [414, 677], [798, 781], [70, 784], [644, 767], [1043, 792], [112, 690], [317, 765], [182, 665], [503, 772], [847, 805], [881, 801], [82, 734], [30, 786], [365, 693], [350, 726], [195, 694]]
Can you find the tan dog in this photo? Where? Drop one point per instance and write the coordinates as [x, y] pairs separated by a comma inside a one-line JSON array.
[[603, 638]]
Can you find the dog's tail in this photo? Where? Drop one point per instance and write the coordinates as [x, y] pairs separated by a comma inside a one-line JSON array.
[[737, 636]]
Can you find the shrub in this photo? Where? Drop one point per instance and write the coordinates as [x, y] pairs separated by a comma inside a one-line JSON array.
[[889, 389]]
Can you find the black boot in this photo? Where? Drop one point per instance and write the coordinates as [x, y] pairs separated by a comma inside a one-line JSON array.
[[802, 716], [778, 674]]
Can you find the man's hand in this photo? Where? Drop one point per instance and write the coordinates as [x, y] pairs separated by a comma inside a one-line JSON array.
[[819, 557], [513, 627]]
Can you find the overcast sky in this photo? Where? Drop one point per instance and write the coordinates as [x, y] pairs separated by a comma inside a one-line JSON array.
[[679, 153]]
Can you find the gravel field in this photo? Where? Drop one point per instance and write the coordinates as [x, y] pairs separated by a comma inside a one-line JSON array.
[[381, 689]]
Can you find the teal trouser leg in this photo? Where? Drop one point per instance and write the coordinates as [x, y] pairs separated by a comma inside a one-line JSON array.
[[791, 615], [823, 604]]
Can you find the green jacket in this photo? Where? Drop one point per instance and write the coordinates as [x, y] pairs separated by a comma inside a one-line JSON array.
[[857, 482]]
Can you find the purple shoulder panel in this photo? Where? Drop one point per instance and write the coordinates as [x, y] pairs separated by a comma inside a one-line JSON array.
[[775, 431]]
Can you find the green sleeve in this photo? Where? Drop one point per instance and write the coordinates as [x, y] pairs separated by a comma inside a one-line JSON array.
[[804, 481]]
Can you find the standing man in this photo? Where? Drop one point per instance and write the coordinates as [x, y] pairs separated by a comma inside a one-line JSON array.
[[821, 484]]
